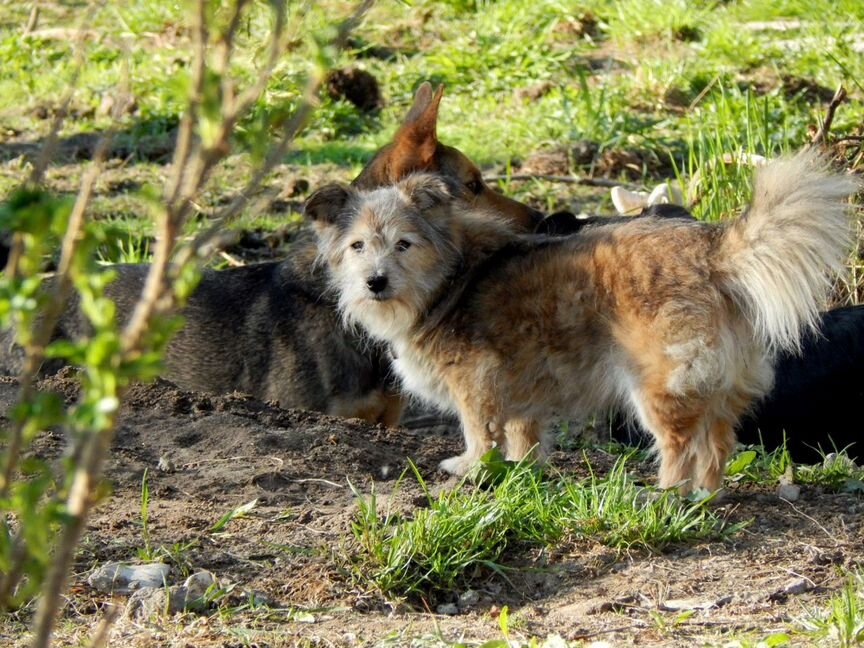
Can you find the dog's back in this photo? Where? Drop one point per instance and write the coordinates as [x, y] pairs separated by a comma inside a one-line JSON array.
[[262, 329]]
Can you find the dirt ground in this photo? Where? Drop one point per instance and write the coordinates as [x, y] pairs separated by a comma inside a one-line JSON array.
[[219, 452]]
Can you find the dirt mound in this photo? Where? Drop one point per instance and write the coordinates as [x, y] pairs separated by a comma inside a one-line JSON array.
[[357, 86]]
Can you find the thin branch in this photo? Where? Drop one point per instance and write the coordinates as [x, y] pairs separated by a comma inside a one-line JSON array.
[[33, 19], [47, 153], [56, 302], [100, 637], [226, 44], [37, 174], [251, 94], [592, 182], [35, 351], [185, 135], [79, 502], [55, 582], [204, 241], [821, 135], [157, 297]]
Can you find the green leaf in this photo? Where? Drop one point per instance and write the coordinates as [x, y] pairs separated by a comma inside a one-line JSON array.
[[240, 511], [502, 623], [776, 639], [740, 463], [491, 468]]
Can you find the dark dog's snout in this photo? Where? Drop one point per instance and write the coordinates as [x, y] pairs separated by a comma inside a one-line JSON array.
[[377, 283]]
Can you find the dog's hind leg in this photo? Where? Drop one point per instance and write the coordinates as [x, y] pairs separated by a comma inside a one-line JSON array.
[[523, 437], [720, 430], [394, 405], [676, 426], [715, 448]]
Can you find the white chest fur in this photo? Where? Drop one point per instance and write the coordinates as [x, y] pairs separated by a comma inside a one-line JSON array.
[[421, 378]]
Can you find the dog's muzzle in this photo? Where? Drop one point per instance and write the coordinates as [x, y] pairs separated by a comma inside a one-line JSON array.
[[377, 284]]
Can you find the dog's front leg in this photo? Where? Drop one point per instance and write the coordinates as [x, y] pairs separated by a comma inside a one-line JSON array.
[[480, 433]]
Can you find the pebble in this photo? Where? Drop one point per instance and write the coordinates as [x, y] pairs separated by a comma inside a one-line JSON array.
[[796, 586], [117, 578], [789, 492], [448, 609], [190, 596], [469, 598]]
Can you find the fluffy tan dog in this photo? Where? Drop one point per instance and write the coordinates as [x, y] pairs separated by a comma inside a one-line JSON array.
[[676, 321]]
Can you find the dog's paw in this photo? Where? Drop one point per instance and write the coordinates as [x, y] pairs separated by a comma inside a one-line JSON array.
[[458, 465]]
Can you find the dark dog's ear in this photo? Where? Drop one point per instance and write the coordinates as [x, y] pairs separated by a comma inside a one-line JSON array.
[[426, 191], [667, 210], [323, 206], [561, 223]]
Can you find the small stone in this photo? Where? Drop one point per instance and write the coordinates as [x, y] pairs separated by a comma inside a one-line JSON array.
[[146, 603], [789, 492], [469, 598], [838, 461], [192, 594], [165, 464], [199, 582], [117, 578], [796, 586], [448, 609]]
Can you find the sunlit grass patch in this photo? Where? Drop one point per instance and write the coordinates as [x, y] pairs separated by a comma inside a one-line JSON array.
[[470, 532]]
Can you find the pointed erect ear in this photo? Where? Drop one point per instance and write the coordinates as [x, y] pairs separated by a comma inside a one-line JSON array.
[[425, 191], [424, 102], [323, 206], [418, 136]]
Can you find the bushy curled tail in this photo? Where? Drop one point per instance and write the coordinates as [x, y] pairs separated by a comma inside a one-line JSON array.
[[780, 256]]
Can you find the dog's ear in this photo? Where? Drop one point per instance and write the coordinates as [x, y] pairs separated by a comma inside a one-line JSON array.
[[426, 191], [425, 100], [561, 223], [417, 139], [323, 206]]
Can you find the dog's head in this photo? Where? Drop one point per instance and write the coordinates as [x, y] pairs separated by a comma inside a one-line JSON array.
[[388, 251], [415, 148]]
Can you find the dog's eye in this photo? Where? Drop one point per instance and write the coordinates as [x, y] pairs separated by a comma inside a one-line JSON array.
[[403, 245], [475, 187], [357, 245]]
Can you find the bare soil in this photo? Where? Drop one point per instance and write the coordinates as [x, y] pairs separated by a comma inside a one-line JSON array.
[[206, 455]]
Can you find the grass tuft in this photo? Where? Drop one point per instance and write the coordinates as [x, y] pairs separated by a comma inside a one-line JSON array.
[[463, 534]]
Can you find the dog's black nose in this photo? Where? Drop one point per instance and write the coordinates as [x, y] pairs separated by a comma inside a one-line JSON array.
[[377, 283]]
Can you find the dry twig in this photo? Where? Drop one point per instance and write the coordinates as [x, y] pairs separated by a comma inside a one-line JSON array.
[[592, 182], [821, 135]]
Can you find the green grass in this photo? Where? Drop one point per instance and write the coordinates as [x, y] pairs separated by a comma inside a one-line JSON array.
[[679, 83], [836, 472], [840, 622], [466, 533]]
